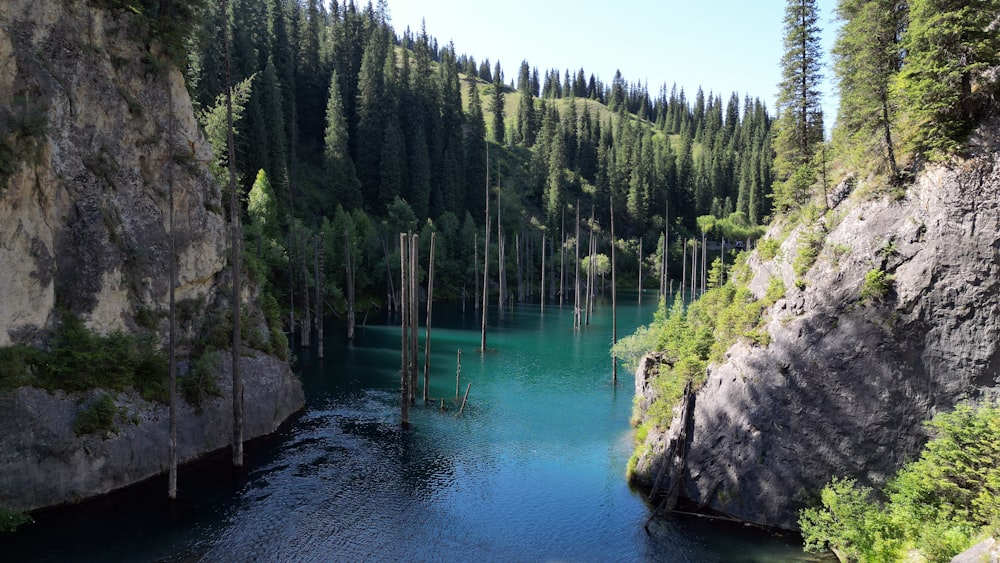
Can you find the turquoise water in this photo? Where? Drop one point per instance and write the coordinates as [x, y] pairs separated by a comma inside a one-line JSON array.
[[534, 470]]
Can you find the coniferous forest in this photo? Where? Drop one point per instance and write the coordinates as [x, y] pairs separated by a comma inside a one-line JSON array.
[[348, 133]]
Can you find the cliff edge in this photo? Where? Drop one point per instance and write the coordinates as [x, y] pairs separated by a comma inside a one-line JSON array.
[[850, 372], [96, 126]]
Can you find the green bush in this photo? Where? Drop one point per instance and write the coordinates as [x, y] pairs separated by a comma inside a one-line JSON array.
[[937, 506], [80, 360], [201, 382], [876, 285], [98, 417], [768, 248]]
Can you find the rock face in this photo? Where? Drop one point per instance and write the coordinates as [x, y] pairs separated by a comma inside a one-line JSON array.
[[43, 463], [95, 127], [846, 383]]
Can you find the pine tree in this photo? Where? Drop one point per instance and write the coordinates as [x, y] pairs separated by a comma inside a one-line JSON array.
[[475, 152], [867, 56], [800, 116], [948, 45], [343, 182], [497, 106]]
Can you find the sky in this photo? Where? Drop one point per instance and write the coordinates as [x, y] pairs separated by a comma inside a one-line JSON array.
[[723, 46]]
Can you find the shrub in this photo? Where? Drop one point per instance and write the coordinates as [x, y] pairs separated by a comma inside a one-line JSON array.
[[80, 360], [876, 285], [936, 507], [98, 417], [768, 249], [201, 382]]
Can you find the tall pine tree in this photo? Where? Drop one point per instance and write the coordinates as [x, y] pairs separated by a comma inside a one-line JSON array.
[[800, 115], [867, 58]]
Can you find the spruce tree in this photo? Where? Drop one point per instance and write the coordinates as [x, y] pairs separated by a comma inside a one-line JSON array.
[[497, 106], [800, 116], [948, 47], [338, 166], [867, 59]]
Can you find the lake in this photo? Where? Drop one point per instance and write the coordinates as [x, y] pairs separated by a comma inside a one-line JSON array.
[[534, 469]]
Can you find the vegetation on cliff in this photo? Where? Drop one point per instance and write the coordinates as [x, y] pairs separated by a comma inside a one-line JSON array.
[[935, 507]]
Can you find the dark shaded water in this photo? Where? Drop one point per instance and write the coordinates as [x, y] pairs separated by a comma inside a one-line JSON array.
[[534, 469]]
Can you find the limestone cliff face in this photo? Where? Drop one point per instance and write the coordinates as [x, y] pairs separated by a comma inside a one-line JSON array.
[[95, 126], [94, 129], [846, 384]]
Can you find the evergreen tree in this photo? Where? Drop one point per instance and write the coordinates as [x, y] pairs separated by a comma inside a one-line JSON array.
[[800, 116], [497, 106], [949, 45], [475, 151], [867, 59], [343, 182], [371, 107], [526, 108]]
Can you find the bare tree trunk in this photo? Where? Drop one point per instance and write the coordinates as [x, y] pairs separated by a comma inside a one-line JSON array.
[[235, 237], [541, 284], [404, 369], [704, 263], [684, 247], [576, 293], [306, 310], [640, 264], [172, 471], [291, 286], [388, 271], [414, 312], [590, 268], [319, 295], [430, 298], [349, 283], [694, 269], [562, 259], [475, 262], [614, 294], [486, 275], [665, 274]]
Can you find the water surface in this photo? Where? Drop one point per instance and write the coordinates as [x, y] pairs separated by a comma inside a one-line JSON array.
[[534, 470]]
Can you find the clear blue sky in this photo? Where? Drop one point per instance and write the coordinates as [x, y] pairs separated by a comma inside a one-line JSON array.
[[720, 45]]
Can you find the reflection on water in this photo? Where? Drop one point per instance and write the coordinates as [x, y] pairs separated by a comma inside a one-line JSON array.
[[533, 470]]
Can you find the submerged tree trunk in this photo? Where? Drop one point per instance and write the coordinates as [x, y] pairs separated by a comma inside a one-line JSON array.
[[404, 369], [541, 284], [640, 262], [430, 299], [349, 283], [614, 295], [306, 310], [475, 262], [319, 294], [562, 260], [414, 312], [172, 471], [235, 236], [576, 293]]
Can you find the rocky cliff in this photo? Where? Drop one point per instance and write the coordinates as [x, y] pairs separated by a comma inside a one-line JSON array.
[[95, 127], [848, 378]]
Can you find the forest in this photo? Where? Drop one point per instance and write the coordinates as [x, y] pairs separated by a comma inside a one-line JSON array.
[[348, 133]]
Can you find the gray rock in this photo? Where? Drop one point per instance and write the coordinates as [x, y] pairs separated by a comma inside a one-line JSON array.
[[44, 463], [845, 386]]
